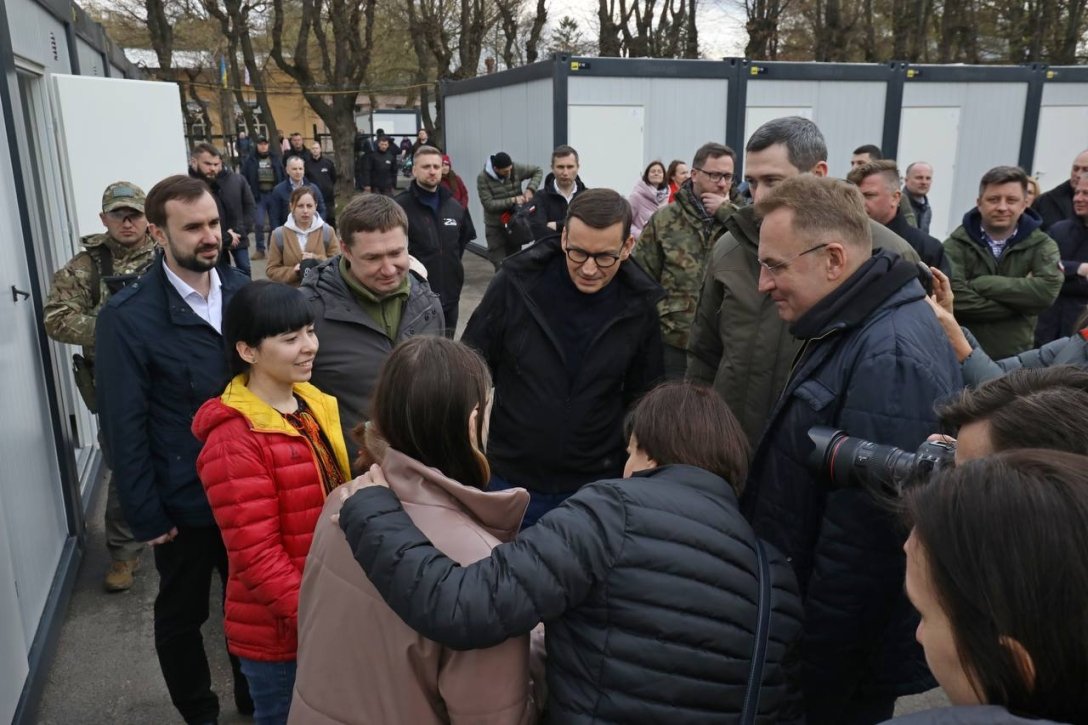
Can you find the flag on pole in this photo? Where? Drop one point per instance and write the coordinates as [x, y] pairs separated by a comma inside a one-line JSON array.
[[223, 69]]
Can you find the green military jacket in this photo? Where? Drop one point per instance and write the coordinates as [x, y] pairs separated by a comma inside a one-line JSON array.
[[70, 309], [907, 210], [999, 301], [497, 195], [738, 342], [674, 249]]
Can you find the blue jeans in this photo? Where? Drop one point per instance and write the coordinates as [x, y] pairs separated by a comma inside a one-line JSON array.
[[540, 502], [270, 686], [241, 260]]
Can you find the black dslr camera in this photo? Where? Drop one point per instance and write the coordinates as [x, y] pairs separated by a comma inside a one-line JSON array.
[[885, 470]]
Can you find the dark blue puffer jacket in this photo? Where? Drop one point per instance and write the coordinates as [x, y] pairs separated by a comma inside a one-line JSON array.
[[874, 363], [647, 587]]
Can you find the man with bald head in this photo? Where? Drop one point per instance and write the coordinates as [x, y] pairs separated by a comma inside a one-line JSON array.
[[916, 185], [1057, 204], [873, 362], [281, 195]]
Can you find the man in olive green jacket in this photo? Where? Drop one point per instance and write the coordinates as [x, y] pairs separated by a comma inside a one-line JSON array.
[[1005, 269], [738, 342], [675, 245], [499, 187]]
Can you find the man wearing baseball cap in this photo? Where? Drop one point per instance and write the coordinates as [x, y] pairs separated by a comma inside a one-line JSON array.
[[108, 262]]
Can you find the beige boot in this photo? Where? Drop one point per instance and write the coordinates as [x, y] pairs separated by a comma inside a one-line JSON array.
[[119, 576]]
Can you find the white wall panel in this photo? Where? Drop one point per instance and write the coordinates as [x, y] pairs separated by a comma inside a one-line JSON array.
[[38, 36], [991, 117], [681, 114], [1063, 131], [597, 131], [90, 60], [849, 113], [516, 119]]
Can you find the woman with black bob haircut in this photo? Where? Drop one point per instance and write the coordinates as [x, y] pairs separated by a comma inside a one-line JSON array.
[[997, 567], [661, 605], [272, 452]]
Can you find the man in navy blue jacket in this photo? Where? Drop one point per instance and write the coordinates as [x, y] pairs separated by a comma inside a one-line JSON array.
[[873, 362], [160, 357]]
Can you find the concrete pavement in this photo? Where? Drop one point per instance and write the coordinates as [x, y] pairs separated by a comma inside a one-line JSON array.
[[106, 671]]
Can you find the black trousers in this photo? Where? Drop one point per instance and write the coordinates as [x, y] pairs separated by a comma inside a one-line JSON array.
[[185, 567], [449, 311]]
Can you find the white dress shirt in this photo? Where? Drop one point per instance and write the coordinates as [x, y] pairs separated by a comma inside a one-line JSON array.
[[210, 308]]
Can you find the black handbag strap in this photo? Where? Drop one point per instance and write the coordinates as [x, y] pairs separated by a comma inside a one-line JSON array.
[[763, 627]]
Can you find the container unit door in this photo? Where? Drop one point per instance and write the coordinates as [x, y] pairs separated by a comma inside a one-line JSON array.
[[597, 132], [1063, 132], [33, 524], [848, 113], [961, 130]]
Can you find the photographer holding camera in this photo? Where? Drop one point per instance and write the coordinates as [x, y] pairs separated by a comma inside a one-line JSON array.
[[874, 362]]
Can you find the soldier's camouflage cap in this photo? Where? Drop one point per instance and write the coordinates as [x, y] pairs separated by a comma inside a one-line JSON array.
[[123, 195]]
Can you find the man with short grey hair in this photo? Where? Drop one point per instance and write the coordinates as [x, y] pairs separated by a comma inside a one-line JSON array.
[[874, 361], [738, 343], [1057, 204]]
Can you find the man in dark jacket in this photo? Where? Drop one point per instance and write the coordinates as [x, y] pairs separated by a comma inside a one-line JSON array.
[[500, 188], [281, 195], [379, 168], [1071, 236], [571, 334], [439, 229], [263, 170], [235, 200], [560, 186], [738, 343], [1005, 269], [321, 171], [873, 363], [878, 183], [295, 149], [1057, 204], [365, 301], [160, 356]]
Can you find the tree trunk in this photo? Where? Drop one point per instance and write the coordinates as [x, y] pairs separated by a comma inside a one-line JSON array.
[[535, 30]]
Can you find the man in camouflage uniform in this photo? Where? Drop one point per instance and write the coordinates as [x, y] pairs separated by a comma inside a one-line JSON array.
[[80, 289], [675, 245]]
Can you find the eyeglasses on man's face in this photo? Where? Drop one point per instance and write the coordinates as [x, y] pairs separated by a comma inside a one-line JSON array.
[[125, 215], [773, 269], [715, 176], [604, 260]]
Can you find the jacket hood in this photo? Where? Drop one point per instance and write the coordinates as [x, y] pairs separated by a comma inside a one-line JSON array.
[[744, 225], [1029, 221], [549, 184], [317, 223], [532, 262], [500, 512], [489, 169]]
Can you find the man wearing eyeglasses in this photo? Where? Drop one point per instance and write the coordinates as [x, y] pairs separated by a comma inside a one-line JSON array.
[[872, 363], [738, 343], [675, 245], [80, 289], [570, 330]]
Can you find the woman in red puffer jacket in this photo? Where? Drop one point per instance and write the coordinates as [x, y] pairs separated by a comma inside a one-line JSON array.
[[273, 450]]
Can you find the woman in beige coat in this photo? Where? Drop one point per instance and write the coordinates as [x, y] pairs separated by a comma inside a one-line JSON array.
[[357, 661], [303, 238]]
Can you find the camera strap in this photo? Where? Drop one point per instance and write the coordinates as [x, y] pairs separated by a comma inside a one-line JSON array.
[[763, 627]]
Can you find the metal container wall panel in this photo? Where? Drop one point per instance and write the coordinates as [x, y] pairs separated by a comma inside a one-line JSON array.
[[849, 113], [116, 72], [1063, 131], [991, 119], [681, 114], [91, 62], [37, 36], [516, 119]]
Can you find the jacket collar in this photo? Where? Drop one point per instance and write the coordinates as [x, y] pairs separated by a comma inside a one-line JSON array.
[[1026, 225], [744, 226], [500, 512], [857, 297], [180, 313], [528, 265], [417, 192], [548, 187], [693, 476], [327, 284]]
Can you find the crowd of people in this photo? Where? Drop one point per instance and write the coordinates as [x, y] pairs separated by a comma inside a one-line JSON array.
[[601, 504]]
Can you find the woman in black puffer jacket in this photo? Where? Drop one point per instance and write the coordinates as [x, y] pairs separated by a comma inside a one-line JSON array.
[[649, 585]]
